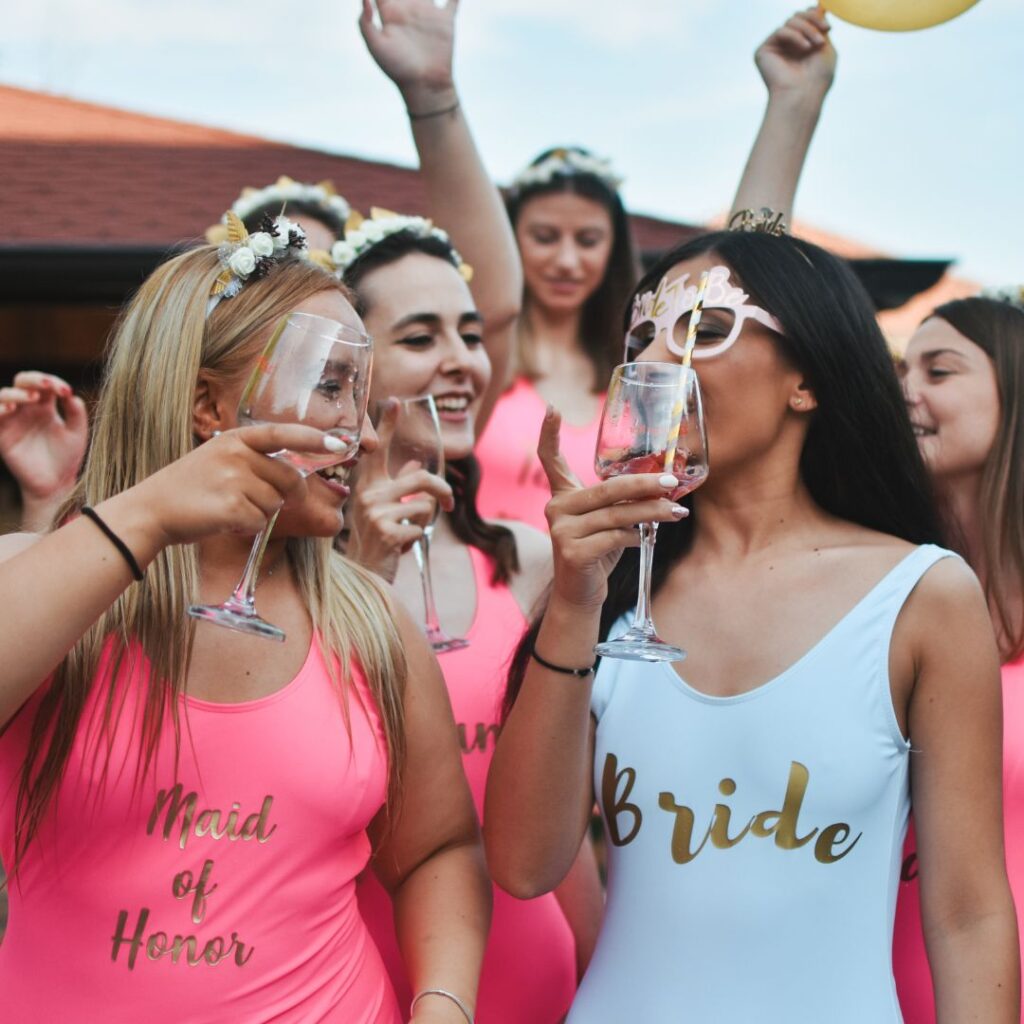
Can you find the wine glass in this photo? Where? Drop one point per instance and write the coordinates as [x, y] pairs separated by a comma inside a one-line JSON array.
[[653, 422], [314, 371], [417, 438]]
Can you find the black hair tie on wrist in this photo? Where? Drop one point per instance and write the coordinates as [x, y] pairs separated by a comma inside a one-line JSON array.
[[579, 673], [90, 513]]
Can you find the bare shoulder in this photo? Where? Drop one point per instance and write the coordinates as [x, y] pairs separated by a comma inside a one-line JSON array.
[[530, 584], [533, 545], [949, 587], [12, 544]]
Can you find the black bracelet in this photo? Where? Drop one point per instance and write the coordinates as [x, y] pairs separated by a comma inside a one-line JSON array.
[[432, 113], [90, 513], [579, 673]]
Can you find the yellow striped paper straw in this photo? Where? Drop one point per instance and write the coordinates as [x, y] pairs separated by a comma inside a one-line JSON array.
[[698, 310], [680, 406]]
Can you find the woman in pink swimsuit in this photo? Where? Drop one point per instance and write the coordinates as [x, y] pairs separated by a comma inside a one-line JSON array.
[[430, 340], [487, 577], [184, 810], [579, 269], [963, 373]]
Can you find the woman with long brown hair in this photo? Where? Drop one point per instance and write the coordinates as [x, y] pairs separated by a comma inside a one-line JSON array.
[[963, 376], [579, 266]]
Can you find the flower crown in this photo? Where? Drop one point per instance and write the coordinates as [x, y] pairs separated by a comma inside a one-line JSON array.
[[244, 257], [363, 233], [284, 191], [1011, 293], [566, 163]]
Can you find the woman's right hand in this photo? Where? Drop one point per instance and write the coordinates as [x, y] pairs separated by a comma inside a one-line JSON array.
[[227, 484], [591, 526], [387, 514]]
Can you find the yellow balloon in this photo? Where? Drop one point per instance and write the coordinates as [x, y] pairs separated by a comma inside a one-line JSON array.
[[897, 15]]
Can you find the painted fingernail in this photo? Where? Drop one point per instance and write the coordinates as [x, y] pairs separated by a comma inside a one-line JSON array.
[[334, 444], [679, 512], [668, 481]]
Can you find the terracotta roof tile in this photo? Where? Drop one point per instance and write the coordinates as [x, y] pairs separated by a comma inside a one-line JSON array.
[[79, 173]]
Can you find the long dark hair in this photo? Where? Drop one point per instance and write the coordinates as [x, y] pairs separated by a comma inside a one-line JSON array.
[[599, 333], [463, 475], [997, 328], [860, 461]]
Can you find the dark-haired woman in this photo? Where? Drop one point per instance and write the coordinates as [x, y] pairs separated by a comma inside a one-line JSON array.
[[756, 796], [429, 334], [487, 579], [963, 375], [579, 267]]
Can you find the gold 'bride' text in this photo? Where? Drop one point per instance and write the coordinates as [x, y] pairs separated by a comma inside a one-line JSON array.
[[782, 825]]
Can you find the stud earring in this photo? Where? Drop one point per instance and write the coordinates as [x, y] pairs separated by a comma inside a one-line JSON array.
[[798, 401]]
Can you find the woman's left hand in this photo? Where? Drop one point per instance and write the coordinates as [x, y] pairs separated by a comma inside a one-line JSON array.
[[798, 56], [413, 46]]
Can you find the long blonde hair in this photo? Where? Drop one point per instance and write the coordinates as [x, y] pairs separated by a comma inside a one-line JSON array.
[[143, 422]]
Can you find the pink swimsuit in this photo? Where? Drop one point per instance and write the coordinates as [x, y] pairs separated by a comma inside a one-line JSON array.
[[223, 892], [910, 962], [513, 485], [529, 972]]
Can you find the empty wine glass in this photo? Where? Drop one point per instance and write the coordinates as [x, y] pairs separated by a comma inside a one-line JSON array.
[[417, 438], [653, 422], [314, 371]]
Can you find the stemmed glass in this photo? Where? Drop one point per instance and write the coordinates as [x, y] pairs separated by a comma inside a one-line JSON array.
[[314, 371], [653, 422], [417, 438]]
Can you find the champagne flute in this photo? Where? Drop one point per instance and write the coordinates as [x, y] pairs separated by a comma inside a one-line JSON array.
[[653, 422], [314, 371], [417, 438]]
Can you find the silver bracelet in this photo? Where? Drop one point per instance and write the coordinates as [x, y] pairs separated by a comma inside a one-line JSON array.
[[447, 995]]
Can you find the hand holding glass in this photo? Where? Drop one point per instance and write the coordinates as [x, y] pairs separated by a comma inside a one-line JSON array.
[[652, 422], [314, 371], [417, 438]]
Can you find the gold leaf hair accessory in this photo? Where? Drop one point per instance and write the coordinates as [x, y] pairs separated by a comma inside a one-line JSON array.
[[764, 221], [363, 233], [244, 257], [566, 163]]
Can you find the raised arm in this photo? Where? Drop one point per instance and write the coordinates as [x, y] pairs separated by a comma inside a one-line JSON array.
[[414, 45], [797, 63], [44, 430], [955, 725], [539, 792], [429, 857], [55, 587]]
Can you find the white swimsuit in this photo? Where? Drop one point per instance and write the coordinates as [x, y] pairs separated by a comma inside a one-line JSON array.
[[754, 841]]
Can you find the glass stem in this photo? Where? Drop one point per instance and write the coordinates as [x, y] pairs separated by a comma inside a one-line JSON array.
[[244, 595], [642, 616], [422, 551]]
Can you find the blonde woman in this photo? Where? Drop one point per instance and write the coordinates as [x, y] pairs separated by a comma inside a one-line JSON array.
[[174, 798]]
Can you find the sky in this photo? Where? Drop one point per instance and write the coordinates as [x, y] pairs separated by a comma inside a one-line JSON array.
[[918, 154]]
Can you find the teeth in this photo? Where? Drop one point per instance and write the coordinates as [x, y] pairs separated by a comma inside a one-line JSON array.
[[453, 403], [339, 473], [921, 431]]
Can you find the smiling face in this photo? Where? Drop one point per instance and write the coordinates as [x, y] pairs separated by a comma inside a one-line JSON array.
[[428, 341], [953, 398], [752, 392], [565, 241], [317, 512]]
